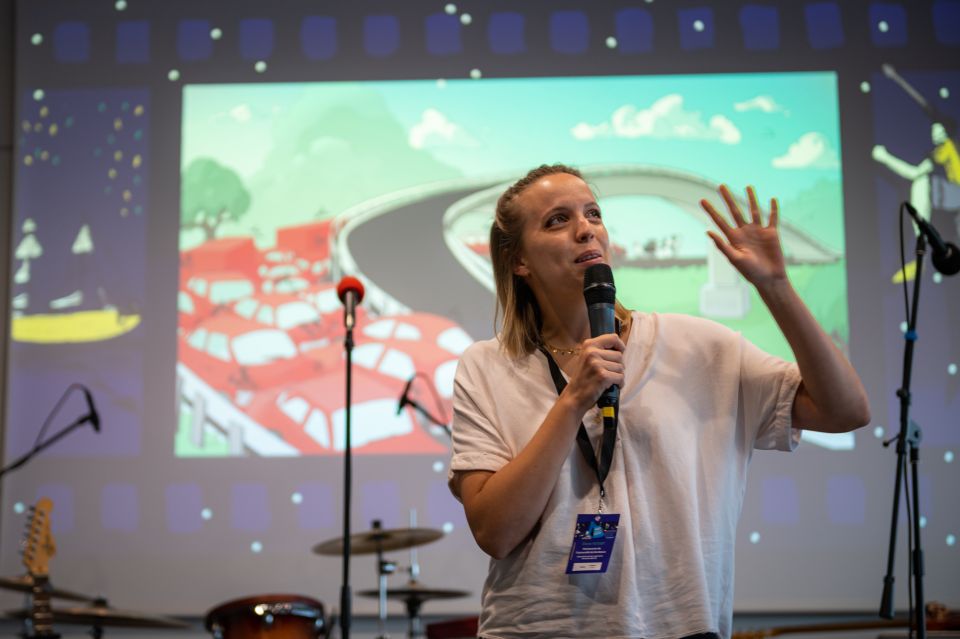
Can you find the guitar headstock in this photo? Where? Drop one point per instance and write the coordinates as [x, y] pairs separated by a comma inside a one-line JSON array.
[[38, 546]]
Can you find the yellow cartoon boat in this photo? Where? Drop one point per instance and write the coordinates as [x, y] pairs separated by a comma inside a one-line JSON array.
[[72, 328]]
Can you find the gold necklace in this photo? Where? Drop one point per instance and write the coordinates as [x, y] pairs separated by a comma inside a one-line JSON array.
[[562, 351]]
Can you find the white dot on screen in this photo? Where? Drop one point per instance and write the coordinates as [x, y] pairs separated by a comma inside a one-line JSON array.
[[611, 42], [121, 5], [903, 327], [923, 521], [38, 95], [37, 38], [937, 278], [450, 9], [19, 508], [476, 74], [698, 25], [951, 369], [466, 18], [448, 528], [883, 26], [951, 540], [441, 83], [438, 466], [948, 457], [944, 92], [256, 547], [260, 66], [754, 537], [206, 514], [216, 33], [878, 432], [296, 498], [865, 87], [174, 75]]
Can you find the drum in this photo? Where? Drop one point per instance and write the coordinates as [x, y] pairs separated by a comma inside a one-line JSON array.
[[267, 617]]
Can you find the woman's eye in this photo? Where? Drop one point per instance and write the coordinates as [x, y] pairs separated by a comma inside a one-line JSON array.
[[595, 213], [555, 219]]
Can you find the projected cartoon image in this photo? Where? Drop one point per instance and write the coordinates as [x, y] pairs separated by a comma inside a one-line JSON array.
[[87, 148], [915, 151], [288, 186], [77, 262], [935, 181]]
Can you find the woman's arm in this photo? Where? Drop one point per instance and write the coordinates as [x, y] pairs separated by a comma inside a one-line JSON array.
[[502, 507], [831, 397]]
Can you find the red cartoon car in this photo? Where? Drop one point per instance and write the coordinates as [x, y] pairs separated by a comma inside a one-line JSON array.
[[420, 327], [297, 318], [236, 355], [310, 416]]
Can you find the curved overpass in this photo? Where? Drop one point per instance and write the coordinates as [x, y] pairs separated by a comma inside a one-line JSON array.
[[402, 245]]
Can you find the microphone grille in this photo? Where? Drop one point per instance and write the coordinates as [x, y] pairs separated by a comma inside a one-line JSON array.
[[598, 284], [350, 283]]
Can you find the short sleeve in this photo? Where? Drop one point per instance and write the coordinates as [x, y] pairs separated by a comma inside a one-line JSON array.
[[768, 386], [477, 443]]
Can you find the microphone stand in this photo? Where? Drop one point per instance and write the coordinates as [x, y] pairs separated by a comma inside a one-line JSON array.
[[39, 447], [423, 411], [345, 595], [908, 438]]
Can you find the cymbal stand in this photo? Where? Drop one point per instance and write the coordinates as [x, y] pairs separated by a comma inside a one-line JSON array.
[[413, 612], [385, 568], [414, 566]]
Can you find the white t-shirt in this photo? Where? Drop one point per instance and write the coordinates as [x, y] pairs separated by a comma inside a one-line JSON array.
[[696, 400]]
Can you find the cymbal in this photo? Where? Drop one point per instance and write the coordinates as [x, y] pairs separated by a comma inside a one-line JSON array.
[[416, 592], [379, 539], [24, 583], [101, 616]]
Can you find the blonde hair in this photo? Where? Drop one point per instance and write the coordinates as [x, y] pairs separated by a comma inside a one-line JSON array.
[[516, 303]]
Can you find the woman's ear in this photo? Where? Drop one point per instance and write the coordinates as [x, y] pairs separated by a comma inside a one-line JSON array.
[[520, 268]]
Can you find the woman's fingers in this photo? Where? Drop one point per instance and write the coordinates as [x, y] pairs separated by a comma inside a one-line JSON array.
[[754, 206], [732, 205]]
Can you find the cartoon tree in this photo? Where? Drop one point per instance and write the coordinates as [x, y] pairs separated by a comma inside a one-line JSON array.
[[211, 194]]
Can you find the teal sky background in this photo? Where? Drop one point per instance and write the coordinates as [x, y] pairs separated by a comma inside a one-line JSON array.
[[308, 151], [311, 150]]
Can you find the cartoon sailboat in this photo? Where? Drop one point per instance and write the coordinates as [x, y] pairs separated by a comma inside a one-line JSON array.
[[75, 317]]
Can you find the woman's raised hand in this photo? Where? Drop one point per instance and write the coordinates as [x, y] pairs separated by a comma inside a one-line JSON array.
[[753, 248]]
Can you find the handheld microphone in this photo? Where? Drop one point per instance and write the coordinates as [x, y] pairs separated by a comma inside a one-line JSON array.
[[600, 295], [350, 292], [403, 398], [945, 255], [93, 415]]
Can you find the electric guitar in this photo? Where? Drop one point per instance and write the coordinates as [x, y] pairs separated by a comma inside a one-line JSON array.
[[38, 549]]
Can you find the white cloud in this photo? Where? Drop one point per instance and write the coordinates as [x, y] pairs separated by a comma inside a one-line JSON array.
[[811, 150], [664, 119], [763, 103], [434, 129], [241, 113]]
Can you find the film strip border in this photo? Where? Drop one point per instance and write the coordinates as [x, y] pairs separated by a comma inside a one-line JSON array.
[[183, 41]]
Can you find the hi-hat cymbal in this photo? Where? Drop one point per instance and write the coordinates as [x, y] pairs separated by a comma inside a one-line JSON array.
[[24, 583], [416, 592], [379, 539], [101, 616]]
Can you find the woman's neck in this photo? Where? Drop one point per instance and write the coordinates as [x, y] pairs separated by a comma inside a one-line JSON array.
[[565, 325]]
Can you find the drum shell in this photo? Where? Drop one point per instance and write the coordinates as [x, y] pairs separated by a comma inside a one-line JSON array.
[[267, 617]]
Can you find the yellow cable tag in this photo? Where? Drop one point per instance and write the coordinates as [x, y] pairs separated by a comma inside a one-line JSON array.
[[607, 411]]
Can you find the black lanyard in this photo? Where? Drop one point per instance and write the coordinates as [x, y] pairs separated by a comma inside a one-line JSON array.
[[609, 438]]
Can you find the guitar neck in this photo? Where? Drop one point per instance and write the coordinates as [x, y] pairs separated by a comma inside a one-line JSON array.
[[41, 615]]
